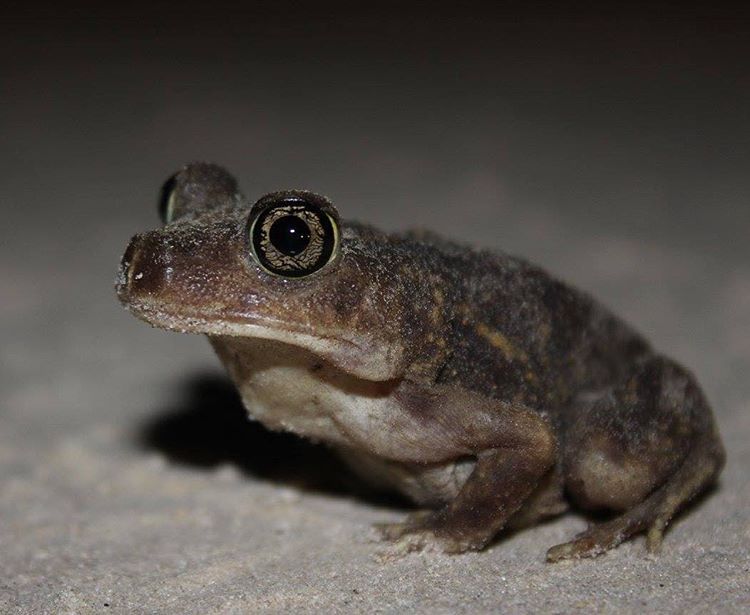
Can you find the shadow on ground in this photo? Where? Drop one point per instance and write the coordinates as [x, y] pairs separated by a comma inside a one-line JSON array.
[[209, 427]]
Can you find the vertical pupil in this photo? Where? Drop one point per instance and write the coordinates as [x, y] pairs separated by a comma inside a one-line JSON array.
[[289, 235]]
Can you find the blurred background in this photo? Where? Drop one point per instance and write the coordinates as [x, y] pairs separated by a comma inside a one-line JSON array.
[[609, 143]]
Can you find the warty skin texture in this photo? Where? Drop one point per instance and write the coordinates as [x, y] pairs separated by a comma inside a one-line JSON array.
[[472, 381]]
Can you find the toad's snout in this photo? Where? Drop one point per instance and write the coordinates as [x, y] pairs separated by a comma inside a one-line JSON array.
[[143, 271], [185, 273]]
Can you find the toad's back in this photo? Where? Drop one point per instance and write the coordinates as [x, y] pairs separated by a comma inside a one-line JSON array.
[[514, 332]]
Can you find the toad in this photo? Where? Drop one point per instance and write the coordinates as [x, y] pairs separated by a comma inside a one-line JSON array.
[[487, 391]]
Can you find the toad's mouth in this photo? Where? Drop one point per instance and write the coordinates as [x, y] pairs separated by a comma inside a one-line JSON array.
[[362, 357]]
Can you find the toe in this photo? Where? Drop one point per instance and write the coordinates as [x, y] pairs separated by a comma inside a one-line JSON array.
[[654, 538], [592, 542]]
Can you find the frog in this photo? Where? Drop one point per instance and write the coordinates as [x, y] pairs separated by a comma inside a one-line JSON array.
[[487, 391]]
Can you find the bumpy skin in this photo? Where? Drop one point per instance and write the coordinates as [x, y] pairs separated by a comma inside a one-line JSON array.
[[470, 380]]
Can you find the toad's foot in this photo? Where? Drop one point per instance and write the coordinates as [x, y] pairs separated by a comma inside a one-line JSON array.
[[594, 541], [422, 532], [598, 539]]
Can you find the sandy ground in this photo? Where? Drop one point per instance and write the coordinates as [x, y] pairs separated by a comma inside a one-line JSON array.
[[130, 481]]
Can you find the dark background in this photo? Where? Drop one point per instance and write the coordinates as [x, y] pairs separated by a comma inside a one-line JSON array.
[[610, 143], [632, 117]]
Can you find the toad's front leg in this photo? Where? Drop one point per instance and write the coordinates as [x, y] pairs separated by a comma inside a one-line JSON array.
[[513, 446]]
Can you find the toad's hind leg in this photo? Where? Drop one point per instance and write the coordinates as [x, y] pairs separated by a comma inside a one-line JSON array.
[[644, 448]]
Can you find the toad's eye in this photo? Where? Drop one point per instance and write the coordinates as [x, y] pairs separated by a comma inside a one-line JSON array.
[[293, 237]]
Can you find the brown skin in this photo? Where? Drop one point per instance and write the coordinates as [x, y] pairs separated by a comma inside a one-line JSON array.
[[472, 381]]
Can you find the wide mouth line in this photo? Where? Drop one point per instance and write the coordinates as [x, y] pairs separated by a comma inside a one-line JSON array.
[[164, 316]]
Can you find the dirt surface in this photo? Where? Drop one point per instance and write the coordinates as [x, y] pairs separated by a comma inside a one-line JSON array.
[[614, 152]]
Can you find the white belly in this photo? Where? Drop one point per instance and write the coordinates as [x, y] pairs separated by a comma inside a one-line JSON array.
[[289, 389]]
